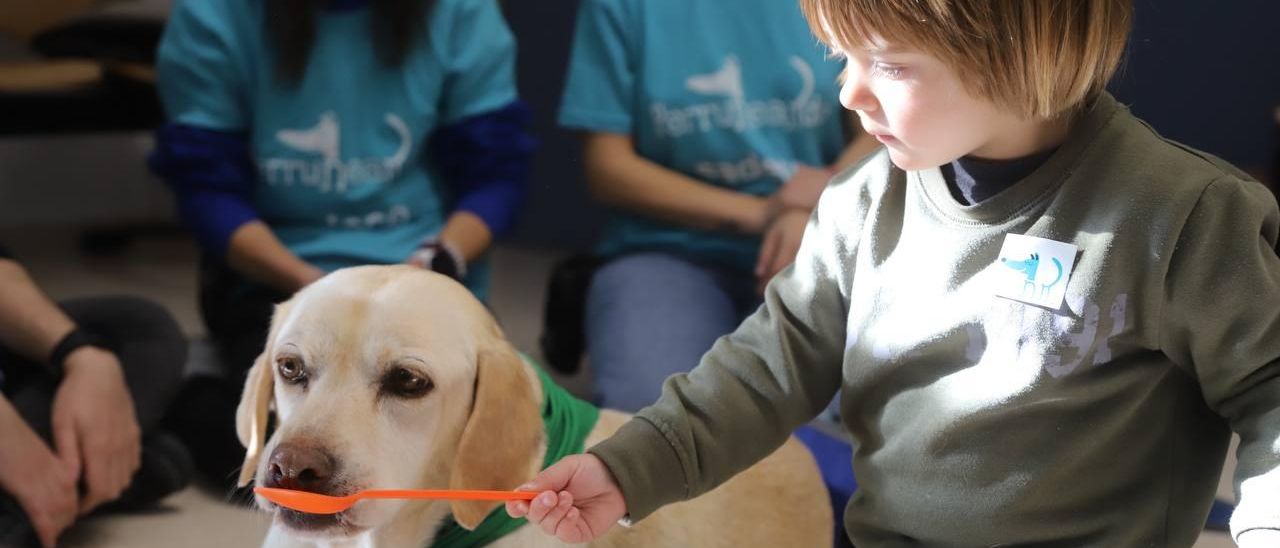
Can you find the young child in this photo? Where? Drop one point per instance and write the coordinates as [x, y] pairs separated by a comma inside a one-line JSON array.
[[1045, 318]]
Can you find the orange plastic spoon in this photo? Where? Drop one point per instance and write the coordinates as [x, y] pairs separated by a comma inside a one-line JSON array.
[[315, 503]]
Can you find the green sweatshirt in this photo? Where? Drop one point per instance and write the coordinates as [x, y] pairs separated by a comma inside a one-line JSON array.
[[980, 420]]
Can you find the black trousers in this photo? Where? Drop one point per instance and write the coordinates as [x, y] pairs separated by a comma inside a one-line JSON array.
[[237, 315]]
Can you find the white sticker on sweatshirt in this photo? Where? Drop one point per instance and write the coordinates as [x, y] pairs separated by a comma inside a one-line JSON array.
[[1035, 270]]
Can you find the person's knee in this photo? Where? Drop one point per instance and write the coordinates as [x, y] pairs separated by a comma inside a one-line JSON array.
[[146, 317], [115, 316], [151, 322], [629, 394], [631, 364], [142, 333], [651, 270], [649, 316]]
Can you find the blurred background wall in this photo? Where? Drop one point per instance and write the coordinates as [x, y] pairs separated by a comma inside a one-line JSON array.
[[1207, 74]]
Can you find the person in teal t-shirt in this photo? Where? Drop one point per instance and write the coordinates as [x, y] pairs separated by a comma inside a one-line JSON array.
[[710, 127], [305, 136]]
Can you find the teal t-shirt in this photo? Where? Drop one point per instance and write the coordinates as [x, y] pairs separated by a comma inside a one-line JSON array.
[[732, 92], [343, 178]]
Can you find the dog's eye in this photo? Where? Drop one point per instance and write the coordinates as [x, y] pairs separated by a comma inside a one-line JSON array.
[[404, 383], [291, 369]]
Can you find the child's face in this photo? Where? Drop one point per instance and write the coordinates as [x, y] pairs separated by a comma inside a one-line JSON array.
[[917, 107]]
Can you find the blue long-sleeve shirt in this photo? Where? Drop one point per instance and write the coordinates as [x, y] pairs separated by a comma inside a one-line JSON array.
[[484, 160], [346, 164]]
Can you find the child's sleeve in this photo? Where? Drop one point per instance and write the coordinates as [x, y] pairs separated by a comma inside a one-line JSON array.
[[599, 91], [1222, 320], [480, 56], [778, 370]]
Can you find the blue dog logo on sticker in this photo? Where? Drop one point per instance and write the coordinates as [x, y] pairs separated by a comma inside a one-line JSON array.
[[1030, 267]]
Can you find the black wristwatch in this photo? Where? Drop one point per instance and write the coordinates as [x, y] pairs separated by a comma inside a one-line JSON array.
[[70, 342], [440, 256]]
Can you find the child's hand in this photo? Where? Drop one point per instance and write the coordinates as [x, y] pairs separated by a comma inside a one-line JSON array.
[[579, 500]]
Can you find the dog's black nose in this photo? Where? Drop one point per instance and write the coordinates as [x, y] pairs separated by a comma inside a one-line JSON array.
[[300, 466]]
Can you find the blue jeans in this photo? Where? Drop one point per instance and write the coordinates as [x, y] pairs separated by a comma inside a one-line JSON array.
[[651, 315]]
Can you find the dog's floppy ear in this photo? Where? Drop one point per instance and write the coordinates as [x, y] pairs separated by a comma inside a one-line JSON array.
[[501, 435], [255, 402], [251, 415]]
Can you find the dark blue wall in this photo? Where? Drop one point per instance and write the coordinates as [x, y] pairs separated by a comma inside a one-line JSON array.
[[558, 211], [1203, 72], [1207, 73]]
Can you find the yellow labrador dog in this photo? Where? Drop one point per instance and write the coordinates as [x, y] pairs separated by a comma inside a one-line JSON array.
[[395, 377]]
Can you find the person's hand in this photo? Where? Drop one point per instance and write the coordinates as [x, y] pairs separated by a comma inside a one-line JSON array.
[[94, 425], [780, 244], [578, 501], [801, 191], [33, 475], [804, 187]]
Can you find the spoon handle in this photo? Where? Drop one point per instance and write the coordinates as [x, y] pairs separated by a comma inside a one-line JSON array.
[[446, 494]]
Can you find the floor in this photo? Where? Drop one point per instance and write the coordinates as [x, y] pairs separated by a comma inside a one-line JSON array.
[[161, 268]]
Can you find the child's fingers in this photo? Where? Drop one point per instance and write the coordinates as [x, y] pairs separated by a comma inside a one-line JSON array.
[[573, 529], [517, 508], [551, 523], [540, 506]]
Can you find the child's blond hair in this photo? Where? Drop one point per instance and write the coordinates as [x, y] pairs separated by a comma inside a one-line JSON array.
[[1039, 58]]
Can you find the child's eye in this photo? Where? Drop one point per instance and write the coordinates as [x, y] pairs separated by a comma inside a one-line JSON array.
[[892, 72]]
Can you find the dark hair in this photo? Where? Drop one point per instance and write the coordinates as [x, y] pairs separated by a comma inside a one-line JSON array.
[[291, 32]]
